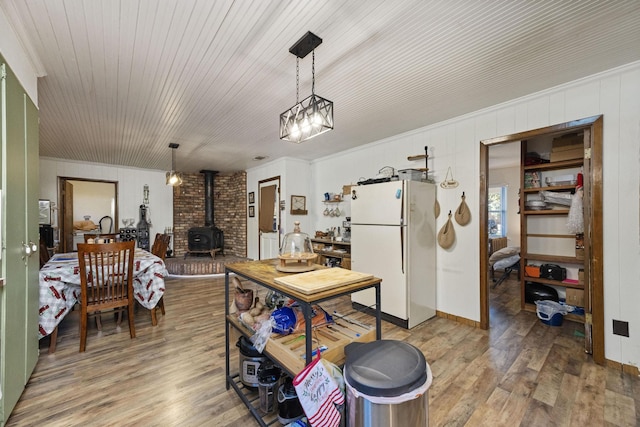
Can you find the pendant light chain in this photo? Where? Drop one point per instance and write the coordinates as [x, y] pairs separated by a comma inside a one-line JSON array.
[[297, 80], [313, 72]]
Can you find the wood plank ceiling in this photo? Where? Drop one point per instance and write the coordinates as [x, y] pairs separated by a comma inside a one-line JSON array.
[[121, 79]]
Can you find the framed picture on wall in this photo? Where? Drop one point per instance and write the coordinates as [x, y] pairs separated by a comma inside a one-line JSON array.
[[252, 211], [252, 198]]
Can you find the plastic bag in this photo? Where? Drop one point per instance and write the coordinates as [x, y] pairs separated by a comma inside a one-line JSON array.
[[284, 320], [260, 338], [545, 309], [575, 220]]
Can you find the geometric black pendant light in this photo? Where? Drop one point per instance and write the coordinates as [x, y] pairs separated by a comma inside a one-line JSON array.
[[313, 115]]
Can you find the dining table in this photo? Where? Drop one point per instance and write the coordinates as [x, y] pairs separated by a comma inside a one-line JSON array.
[[60, 285]]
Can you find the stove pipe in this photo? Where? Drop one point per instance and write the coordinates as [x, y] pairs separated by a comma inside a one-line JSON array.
[[208, 196]]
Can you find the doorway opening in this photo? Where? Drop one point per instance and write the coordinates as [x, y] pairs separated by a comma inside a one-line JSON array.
[[85, 205], [591, 162], [503, 228], [269, 218]]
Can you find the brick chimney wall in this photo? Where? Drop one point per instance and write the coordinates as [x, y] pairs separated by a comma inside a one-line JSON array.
[[229, 215]]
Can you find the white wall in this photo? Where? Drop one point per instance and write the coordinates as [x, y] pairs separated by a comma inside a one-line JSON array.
[[295, 178], [131, 183], [455, 143], [511, 178], [94, 199], [16, 56]]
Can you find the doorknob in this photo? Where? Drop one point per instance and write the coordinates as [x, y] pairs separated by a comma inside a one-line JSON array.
[[28, 249]]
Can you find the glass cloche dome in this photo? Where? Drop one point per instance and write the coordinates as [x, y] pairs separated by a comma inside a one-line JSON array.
[[296, 251]]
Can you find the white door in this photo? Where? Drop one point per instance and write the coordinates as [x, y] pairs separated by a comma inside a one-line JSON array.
[[378, 250], [269, 245], [269, 218]]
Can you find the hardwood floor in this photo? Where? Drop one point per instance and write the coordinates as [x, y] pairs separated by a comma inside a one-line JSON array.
[[519, 373]]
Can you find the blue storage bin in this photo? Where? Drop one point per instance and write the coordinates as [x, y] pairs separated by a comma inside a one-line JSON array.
[[550, 312], [555, 320]]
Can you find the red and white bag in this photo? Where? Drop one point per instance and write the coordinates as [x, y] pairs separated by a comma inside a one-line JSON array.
[[319, 393]]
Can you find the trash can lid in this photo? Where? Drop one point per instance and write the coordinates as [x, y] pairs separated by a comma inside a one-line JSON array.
[[384, 368]]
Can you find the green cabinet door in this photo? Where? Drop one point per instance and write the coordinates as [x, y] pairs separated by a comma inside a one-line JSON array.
[[19, 230]]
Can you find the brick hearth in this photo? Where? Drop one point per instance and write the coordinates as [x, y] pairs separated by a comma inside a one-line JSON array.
[[230, 210], [200, 265]]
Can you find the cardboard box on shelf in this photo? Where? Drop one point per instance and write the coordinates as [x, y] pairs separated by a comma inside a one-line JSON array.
[[558, 156], [566, 148], [575, 297], [567, 142]]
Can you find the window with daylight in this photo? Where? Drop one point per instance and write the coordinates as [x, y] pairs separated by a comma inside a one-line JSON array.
[[497, 205]]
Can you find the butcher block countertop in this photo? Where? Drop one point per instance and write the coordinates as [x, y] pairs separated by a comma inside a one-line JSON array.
[[319, 284]]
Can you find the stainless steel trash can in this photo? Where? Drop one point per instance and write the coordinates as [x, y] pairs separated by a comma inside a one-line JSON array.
[[387, 384]]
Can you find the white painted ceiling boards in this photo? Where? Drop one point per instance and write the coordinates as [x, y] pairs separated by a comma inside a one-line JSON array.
[[121, 79]]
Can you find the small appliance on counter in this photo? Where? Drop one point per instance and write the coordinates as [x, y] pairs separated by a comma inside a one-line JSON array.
[[346, 225], [268, 381], [249, 362], [289, 407]]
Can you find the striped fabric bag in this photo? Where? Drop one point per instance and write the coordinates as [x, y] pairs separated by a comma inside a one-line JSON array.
[[319, 393]]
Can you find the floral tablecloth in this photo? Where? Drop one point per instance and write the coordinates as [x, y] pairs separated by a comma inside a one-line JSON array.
[[60, 285]]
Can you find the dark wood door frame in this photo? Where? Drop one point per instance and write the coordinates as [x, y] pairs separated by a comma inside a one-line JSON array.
[[594, 212], [275, 180], [63, 209]]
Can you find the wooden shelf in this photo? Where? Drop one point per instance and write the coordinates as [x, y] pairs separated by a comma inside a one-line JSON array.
[[547, 212], [553, 282], [570, 317], [552, 258], [332, 253], [289, 350], [345, 257], [330, 242], [551, 188], [566, 164], [552, 236]]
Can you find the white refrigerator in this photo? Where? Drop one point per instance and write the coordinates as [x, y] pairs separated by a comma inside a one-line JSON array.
[[393, 237]]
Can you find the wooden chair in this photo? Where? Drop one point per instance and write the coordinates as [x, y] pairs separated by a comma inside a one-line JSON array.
[[106, 282], [44, 253], [112, 236], [159, 249]]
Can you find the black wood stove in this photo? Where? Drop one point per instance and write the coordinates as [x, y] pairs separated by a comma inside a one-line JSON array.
[[207, 238]]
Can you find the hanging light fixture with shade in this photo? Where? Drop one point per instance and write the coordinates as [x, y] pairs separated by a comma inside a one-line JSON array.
[[313, 115], [174, 178]]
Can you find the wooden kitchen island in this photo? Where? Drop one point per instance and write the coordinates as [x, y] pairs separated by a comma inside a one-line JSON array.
[[264, 273]]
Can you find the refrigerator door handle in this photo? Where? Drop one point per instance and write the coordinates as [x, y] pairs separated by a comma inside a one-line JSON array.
[[402, 203], [402, 248], [402, 224]]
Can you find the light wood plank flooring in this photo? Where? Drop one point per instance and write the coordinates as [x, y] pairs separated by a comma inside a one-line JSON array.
[[519, 373]]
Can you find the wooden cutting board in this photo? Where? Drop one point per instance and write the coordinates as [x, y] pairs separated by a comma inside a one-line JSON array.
[[321, 280]]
